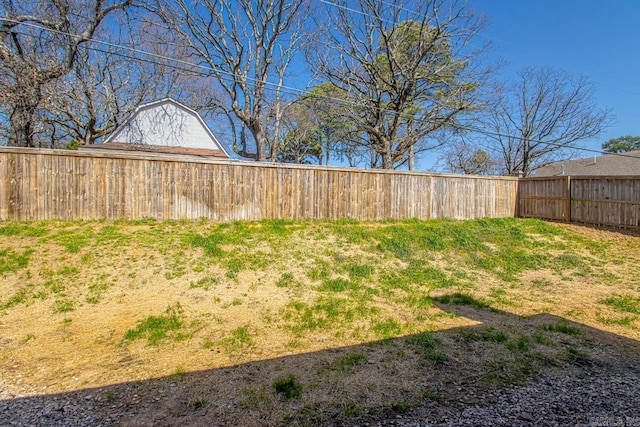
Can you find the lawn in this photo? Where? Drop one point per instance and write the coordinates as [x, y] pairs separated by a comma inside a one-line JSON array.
[[279, 321]]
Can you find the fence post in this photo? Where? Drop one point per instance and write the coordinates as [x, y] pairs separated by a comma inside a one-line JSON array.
[[567, 199]]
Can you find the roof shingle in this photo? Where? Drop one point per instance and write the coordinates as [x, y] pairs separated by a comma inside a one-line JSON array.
[[625, 164]]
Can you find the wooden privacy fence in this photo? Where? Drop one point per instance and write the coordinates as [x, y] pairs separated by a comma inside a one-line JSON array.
[[62, 184], [602, 200]]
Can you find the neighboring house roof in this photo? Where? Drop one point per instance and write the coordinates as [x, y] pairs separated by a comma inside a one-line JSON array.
[[165, 126], [607, 165], [117, 146]]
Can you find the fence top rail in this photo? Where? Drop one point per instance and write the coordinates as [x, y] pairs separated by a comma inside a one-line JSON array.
[[583, 177], [546, 178], [183, 158]]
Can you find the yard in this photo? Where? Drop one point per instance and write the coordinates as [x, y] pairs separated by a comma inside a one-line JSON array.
[[306, 322]]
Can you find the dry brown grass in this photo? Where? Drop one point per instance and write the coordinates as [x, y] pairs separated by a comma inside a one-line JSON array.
[[247, 312]]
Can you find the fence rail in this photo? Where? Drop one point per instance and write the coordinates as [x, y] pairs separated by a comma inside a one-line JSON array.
[[62, 184], [604, 200]]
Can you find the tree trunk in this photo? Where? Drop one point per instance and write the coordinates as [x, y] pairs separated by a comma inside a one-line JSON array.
[[387, 153], [261, 143], [411, 158], [91, 134], [22, 121], [23, 115], [525, 158], [387, 160]]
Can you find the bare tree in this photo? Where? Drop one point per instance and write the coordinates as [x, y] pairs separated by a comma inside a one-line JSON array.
[[39, 42], [407, 76], [461, 156], [540, 116], [248, 46], [109, 82], [96, 97]]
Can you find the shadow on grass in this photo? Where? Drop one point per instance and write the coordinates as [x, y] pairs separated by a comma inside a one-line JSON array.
[[423, 376]]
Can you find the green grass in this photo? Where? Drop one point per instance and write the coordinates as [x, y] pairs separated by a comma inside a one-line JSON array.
[[11, 260], [423, 341], [288, 387], [326, 312], [73, 239], [621, 321], [522, 344], [54, 285], [156, 329], [205, 283], [210, 244], [359, 271], [570, 262], [562, 327], [578, 357], [461, 299], [623, 303], [97, 288], [239, 339], [23, 230], [488, 334], [285, 280], [111, 235], [386, 328], [349, 361], [337, 285], [425, 345], [428, 276], [541, 338], [63, 306], [180, 373], [320, 271], [500, 296], [22, 296], [198, 403]]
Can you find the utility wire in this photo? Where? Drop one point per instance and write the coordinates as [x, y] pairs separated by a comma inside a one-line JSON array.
[[288, 89], [503, 41], [253, 81], [154, 55]]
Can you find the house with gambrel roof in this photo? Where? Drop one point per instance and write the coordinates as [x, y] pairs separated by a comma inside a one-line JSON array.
[[164, 126]]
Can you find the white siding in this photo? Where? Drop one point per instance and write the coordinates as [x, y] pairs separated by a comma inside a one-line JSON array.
[[166, 123]]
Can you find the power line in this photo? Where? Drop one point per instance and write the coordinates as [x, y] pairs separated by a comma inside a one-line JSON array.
[[554, 144], [155, 55], [492, 38], [287, 89]]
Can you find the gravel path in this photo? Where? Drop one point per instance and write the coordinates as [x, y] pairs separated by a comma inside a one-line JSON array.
[[546, 402], [565, 401]]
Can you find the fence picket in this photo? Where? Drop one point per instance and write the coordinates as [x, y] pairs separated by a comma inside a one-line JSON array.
[[62, 184]]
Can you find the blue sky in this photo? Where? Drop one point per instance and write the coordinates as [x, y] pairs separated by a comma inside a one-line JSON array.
[[600, 39]]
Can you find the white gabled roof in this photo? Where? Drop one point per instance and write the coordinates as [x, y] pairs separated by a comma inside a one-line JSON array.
[[166, 123]]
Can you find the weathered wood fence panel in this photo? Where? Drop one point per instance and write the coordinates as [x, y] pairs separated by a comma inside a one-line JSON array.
[[60, 184], [544, 198], [610, 201], [613, 201]]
